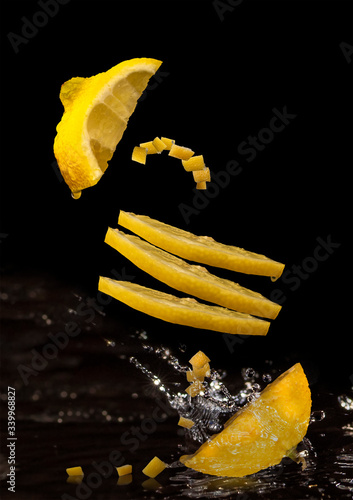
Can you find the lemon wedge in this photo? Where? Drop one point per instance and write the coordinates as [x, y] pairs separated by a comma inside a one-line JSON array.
[[193, 280], [261, 433], [182, 311], [202, 249], [96, 113]]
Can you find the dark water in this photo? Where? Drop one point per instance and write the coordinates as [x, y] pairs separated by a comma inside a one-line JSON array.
[[81, 402]]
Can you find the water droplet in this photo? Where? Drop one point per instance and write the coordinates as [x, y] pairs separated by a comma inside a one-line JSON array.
[[248, 373], [142, 335], [317, 416], [182, 347], [266, 377], [345, 402], [110, 343]]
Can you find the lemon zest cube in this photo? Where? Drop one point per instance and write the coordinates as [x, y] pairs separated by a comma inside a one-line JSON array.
[[199, 360], [191, 377], [201, 373], [194, 163], [151, 150], [181, 152], [75, 471], [202, 175], [159, 145], [201, 185], [124, 470], [168, 142], [195, 388], [186, 422], [154, 467], [139, 155]]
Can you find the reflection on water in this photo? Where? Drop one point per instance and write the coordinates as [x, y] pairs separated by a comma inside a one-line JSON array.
[[89, 401]]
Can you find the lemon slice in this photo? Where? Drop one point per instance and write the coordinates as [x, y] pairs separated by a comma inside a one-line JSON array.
[[201, 249], [260, 434], [182, 311], [97, 111], [194, 280]]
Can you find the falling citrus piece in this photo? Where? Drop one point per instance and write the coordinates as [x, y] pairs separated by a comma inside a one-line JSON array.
[[199, 360], [75, 471], [124, 470], [260, 434], [181, 152], [194, 164], [139, 155], [182, 311], [187, 423], [154, 467], [193, 280], [97, 111], [201, 249]]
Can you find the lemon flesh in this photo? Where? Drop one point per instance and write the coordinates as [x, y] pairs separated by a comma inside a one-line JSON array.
[[202, 249], [182, 311], [194, 280], [96, 113], [260, 434]]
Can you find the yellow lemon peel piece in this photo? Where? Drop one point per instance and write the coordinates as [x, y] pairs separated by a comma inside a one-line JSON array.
[[154, 467]]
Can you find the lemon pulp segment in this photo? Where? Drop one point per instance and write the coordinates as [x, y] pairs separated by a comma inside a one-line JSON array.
[[202, 249]]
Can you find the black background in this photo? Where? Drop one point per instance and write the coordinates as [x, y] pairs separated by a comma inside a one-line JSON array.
[[219, 82]]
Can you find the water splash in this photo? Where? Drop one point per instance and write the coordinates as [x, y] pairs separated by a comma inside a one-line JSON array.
[[213, 405]]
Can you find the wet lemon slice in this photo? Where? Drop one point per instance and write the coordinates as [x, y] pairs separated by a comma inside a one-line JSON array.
[[97, 111], [182, 311], [201, 249], [261, 434], [194, 280]]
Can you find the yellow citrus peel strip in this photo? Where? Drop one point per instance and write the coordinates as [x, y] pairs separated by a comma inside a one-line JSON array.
[[182, 311], [191, 279], [202, 249]]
